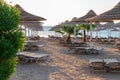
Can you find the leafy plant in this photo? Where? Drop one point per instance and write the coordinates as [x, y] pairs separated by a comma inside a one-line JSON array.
[[85, 27], [69, 30], [59, 31], [11, 39]]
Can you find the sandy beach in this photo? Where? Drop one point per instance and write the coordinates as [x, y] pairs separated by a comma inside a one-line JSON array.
[[65, 65]]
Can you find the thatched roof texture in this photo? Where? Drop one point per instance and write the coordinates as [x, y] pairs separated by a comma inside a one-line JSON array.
[[108, 24], [90, 14], [56, 27], [112, 14], [34, 25], [25, 16]]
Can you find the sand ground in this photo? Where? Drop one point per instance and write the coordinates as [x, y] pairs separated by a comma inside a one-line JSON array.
[[65, 65]]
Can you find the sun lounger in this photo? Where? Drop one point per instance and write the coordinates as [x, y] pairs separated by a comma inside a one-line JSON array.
[[110, 60], [32, 47], [25, 58], [117, 43], [95, 60], [94, 51], [96, 65], [113, 67], [33, 57], [100, 50], [107, 65], [40, 46]]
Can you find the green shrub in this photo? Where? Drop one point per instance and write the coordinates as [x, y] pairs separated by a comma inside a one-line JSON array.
[[11, 39]]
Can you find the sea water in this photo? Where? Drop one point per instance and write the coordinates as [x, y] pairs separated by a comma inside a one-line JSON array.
[[46, 31], [103, 33]]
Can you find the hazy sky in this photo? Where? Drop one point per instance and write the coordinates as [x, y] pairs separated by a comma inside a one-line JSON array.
[[56, 11]]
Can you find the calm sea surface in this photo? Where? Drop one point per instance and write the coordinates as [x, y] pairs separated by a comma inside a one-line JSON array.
[[46, 31], [103, 33]]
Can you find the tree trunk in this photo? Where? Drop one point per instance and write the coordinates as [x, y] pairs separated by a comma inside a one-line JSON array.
[[68, 39], [84, 35]]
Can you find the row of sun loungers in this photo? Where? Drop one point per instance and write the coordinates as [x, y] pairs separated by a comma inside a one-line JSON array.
[[106, 65], [106, 40], [34, 38], [115, 41], [86, 49], [82, 47], [32, 46]]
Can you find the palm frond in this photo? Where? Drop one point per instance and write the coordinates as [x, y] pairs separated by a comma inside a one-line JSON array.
[[59, 31]]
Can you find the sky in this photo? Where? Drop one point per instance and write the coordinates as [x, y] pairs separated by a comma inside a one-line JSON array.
[[57, 11]]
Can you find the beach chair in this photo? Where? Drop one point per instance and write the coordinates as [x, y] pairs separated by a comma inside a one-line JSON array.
[[112, 41], [27, 47], [113, 67], [117, 43], [32, 57], [97, 65], [41, 57], [95, 51], [25, 59], [90, 50], [33, 47], [100, 50]]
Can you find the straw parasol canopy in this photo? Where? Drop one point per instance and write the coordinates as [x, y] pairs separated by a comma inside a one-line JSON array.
[[108, 24], [66, 23], [56, 27], [73, 22], [112, 14], [117, 24], [90, 14], [74, 18], [25, 16], [34, 25]]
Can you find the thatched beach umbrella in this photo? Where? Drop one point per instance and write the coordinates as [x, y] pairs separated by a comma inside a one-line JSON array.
[[25, 16], [90, 14], [59, 26], [56, 27], [109, 26], [115, 30], [113, 14], [74, 18], [97, 29], [33, 26], [73, 22]]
